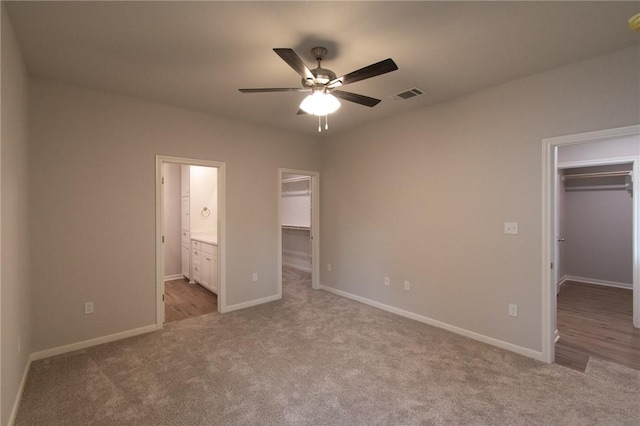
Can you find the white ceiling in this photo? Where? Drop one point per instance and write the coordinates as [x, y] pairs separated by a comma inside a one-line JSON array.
[[197, 54]]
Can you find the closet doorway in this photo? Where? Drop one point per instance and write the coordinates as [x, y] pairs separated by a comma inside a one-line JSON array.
[[595, 262], [189, 238], [298, 228], [619, 150]]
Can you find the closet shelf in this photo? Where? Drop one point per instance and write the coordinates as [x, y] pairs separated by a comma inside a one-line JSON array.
[[596, 175], [297, 179], [302, 228]]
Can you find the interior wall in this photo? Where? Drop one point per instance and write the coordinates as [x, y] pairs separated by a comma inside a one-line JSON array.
[[78, 137], [172, 220], [623, 147], [423, 196], [15, 274], [203, 193]]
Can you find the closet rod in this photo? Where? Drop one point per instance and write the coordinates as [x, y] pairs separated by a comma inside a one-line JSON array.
[[596, 175]]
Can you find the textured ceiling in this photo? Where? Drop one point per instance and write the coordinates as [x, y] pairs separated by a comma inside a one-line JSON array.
[[197, 54]]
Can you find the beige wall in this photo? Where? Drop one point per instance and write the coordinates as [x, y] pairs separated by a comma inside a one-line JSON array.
[[203, 193], [598, 229], [172, 200], [94, 236], [423, 196], [14, 229]]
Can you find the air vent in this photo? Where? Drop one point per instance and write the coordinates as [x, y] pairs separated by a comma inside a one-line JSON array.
[[407, 94]]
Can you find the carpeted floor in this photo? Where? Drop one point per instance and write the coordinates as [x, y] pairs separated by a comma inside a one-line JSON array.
[[314, 358]]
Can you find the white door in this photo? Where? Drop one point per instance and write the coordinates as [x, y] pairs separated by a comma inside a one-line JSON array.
[[185, 214], [186, 261]]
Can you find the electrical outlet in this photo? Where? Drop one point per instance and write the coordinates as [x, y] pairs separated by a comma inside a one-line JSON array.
[[254, 277], [511, 228], [329, 267], [386, 281], [513, 310], [88, 308], [407, 285]]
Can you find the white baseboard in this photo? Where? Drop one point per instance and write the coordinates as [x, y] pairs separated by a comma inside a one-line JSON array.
[[92, 342], [16, 403], [298, 267], [173, 277], [461, 331], [595, 281], [251, 303]]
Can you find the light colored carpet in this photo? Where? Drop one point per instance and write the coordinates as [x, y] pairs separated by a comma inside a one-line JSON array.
[[318, 359]]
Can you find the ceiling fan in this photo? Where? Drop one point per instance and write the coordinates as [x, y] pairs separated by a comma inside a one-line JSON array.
[[323, 83]]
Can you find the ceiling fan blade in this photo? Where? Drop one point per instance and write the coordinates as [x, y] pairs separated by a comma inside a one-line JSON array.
[[354, 97], [275, 89], [294, 61], [301, 112], [372, 70]]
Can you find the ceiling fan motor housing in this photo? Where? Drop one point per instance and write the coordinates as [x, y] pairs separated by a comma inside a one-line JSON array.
[[322, 75]]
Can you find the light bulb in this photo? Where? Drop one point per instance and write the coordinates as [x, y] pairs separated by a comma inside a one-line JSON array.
[[320, 103]]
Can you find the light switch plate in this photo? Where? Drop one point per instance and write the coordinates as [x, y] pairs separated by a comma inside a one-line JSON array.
[[511, 228]]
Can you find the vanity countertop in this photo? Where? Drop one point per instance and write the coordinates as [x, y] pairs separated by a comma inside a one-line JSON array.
[[205, 237]]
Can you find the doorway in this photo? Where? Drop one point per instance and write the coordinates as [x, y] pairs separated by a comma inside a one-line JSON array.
[[594, 261], [190, 265], [613, 146], [298, 227]]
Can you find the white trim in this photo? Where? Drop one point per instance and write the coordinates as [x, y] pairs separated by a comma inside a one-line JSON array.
[[549, 167], [298, 267], [315, 227], [628, 286], [597, 162], [222, 258], [16, 403], [251, 303], [435, 323], [173, 277], [596, 136], [92, 342]]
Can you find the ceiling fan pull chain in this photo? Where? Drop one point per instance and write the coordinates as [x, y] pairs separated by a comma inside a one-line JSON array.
[[319, 124], [326, 122]]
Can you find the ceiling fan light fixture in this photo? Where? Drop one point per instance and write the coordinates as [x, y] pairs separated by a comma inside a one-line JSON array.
[[320, 104]]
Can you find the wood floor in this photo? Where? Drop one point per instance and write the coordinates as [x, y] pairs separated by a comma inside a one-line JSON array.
[[596, 321], [183, 300]]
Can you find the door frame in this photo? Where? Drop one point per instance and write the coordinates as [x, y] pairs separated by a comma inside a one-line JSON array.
[[222, 273], [315, 226], [549, 224]]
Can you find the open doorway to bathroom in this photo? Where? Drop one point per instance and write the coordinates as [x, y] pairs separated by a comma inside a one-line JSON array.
[[189, 251], [298, 246]]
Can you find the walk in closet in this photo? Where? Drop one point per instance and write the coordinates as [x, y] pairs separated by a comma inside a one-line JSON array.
[[595, 238], [296, 221]]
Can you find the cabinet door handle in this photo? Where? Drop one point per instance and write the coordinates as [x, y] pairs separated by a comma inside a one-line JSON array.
[[208, 259]]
